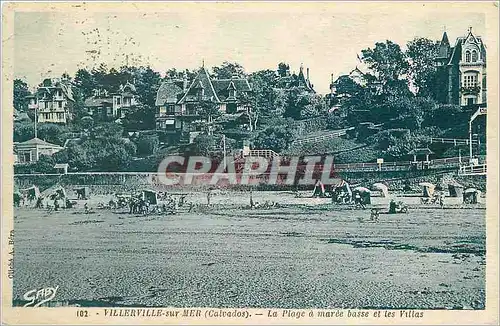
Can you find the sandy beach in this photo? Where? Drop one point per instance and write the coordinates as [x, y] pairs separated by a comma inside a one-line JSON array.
[[308, 254]]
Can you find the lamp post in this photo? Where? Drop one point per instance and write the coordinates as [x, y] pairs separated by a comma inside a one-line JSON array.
[[480, 111], [36, 118], [470, 139]]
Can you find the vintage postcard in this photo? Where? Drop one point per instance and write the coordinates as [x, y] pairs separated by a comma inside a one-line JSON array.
[[250, 163]]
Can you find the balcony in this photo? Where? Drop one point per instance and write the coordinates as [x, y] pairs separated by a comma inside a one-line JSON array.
[[470, 90]]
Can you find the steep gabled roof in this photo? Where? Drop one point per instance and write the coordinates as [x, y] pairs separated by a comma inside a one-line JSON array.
[[128, 87], [303, 81], [444, 47], [456, 51], [444, 40], [240, 84], [167, 93], [471, 37], [50, 90], [67, 91], [204, 78], [483, 52]]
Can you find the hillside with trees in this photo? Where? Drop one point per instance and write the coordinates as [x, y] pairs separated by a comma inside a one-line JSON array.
[[400, 96]]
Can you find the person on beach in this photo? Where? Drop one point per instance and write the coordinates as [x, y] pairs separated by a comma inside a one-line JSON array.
[[392, 207], [209, 195], [441, 200], [39, 202]]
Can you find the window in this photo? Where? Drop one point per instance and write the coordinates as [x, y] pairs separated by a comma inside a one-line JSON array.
[[231, 108], [470, 81], [46, 105], [59, 104], [190, 109], [25, 157], [470, 101], [474, 56], [118, 101], [60, 116], [171, 109], [467, 56]]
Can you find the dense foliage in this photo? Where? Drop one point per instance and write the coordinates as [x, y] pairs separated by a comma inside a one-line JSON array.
[[400, 94]]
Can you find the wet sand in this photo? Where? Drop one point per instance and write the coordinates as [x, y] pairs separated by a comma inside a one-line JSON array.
[[298, 256]]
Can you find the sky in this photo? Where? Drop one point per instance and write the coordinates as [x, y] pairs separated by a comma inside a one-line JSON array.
[[325, 39]]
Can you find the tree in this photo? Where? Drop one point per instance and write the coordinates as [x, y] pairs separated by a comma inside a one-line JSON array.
[[204, 144], [112, 80], [172, 73], [283, 69], [79, 106], [23, 131], [315, 106], [446, 116], [147, 144], [208, 110], [410, 112], [277, 138], [45, 164], [147, 85], [335, 121], [87, 122], [228, 70], [140, 117], [386, 60], [99, 75], [20, 92], [421, 53], [263, 95], [301, 104], [101, 154], [53, 133], [85, 83], [107, 130]]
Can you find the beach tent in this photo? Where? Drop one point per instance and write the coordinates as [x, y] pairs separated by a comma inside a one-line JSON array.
[[440, 186], [471, 195], [17, 198], [150, 195], [382, 188], [428, 188], [341, 187], [319, 189], [54, 192], [83, 192], [31, 193], [364, 193], [455, 189]]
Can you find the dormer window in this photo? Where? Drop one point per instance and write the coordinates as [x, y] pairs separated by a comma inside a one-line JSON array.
[[232, 93], [467, 56], [474, 56]]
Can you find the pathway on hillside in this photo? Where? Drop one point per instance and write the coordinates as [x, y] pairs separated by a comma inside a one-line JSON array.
[[322, 137]]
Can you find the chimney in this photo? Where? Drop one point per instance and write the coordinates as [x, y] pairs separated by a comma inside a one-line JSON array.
[[307, 73], [332, 78]]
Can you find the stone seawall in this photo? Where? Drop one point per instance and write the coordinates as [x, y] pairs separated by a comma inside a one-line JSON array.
[[125, 182]]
